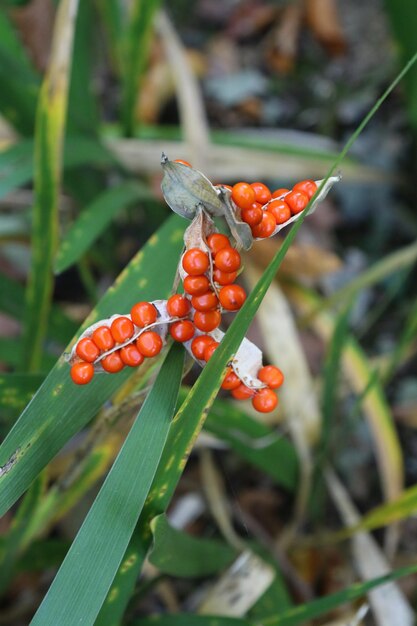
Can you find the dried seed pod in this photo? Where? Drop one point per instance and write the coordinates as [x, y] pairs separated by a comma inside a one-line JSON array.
[[186, 189]]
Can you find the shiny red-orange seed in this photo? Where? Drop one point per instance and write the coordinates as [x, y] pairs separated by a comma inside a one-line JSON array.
[[112, 363], [297, 201], [207, 320], [252, 216], [196, 285], [231, 381], [278, 193], [262, 193], [182, 331], [227, 260], [206, 302], [266, 227], [271, 376], [149, 343], [232, 297], [242, 392], [199, 344], [209, 351], [195, 262], [131, 356], [182, 162], [265, 400], [280, 210], [122, 329], [308, 187], [143, 314], [178, 306], [243, 195], [103, 338], [82, 372], [217, 241], [87, 350], [224, 278]]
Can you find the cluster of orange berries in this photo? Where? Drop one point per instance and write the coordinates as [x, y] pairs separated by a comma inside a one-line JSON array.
[[114, 338], [264, 210]]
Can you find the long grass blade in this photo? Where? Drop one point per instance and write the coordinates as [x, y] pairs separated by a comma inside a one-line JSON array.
[[50, 127], [138, 38], [80, 587]]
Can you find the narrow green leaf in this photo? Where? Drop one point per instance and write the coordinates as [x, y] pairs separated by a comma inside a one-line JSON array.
[[138, 38], [42, 554], [111, 13], [61, 408], [383, 515], [80, 587], [94, 219], [176, 553], [303, 613], [49, 135]]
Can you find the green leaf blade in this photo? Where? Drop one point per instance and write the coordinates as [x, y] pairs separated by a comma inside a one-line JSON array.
[[86, 574]]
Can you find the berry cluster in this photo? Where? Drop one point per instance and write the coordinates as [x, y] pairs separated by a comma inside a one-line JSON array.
[[209, 269], [263, 211], [126, 340]]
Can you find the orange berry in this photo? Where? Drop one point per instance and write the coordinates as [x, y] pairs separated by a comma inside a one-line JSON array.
[[210, 349], [297, 201], [271, 376], [265, 400], [242, 392], [182, 162], [182, 331], [280, 210], [149, 343], [112, 363], [217, 241], [252, 216], [262, 193], [195, 262], [199, 344], [266, 227], [243, 195], [178, 306], [308, 187], [131, 356], [207, 320], [224, 278], [232, 297], [196, 285], [82, 372], [227, 260], [103, 338], [122, 329], [143, 314], [206, 302], [87, 350], [231, 381], [278, 193]]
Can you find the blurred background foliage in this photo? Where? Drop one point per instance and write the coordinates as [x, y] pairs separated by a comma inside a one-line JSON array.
[[269, 514]]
